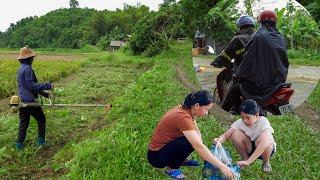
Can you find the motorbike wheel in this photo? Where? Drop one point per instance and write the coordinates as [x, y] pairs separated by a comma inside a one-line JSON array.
[[274, 109], [216, 98]]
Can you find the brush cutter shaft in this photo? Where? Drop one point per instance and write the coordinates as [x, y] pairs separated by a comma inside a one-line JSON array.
[[16, 104], [62, 105], [76, 105]]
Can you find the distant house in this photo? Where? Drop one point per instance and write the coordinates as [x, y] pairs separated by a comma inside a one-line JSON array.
[[114, 45]]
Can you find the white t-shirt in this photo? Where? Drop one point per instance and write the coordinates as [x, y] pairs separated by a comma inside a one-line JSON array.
[[255, 130]]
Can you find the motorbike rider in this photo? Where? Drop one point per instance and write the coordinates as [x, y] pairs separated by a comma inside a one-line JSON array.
[[234, 50], [264, 67]]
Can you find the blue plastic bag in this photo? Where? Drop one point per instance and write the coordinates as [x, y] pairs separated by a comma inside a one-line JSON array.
[[213, 173]]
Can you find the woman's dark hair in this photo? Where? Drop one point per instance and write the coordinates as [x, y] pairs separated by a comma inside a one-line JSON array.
[[202, 97]]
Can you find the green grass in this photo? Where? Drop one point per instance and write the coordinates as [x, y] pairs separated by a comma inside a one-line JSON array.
[[297, 155], [118, 150], [304, 57], [84, 49], [314, 98], [100, 81]]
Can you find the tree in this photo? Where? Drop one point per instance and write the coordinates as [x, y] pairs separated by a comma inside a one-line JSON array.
[[99, 24], [193, 13], [74, 4], [305, 2], [314, 9], [219, 22], [248, 4], [147, 37], [299, 29]]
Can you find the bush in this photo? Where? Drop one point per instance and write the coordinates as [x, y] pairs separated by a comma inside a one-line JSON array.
[[144, 34], [156, 47], [299, 29], [219, 22], [103, 42]]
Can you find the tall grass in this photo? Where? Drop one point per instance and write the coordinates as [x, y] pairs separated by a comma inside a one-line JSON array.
[[44, 70], [100, 81]]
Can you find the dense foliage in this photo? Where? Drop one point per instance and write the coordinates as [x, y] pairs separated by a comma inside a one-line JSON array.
[[193, 13], [71, 28], [154, 32], [151, 31], [299, 28], [314, 9], [64, 28], [219, 21]]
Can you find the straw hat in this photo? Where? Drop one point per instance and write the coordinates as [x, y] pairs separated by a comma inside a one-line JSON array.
[[26, 52]]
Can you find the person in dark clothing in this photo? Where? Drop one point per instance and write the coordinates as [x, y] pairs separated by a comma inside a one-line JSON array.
[[265, 64], [234, 50], [29, 89]]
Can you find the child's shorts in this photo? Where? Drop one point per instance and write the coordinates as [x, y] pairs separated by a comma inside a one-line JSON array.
[[254, 148]]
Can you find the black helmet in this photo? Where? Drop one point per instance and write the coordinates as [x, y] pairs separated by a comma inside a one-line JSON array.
[[245, 20]]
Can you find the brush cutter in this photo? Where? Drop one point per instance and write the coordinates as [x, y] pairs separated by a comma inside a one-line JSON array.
[[16, 104]]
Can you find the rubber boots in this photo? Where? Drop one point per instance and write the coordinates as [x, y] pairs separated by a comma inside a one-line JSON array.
[[41, 142], [19, 146]]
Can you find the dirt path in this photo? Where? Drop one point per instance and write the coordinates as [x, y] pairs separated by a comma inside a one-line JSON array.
[[303, 78]]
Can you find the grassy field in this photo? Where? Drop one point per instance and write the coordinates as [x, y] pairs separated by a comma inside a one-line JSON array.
[[85, 49], [49, 70], [100, 81], [90, 144], [120, 151]]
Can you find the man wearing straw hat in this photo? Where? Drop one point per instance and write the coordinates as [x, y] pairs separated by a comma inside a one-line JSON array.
[[29, 89]]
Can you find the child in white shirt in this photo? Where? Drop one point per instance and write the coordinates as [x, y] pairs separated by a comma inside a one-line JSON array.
[[251, 135]]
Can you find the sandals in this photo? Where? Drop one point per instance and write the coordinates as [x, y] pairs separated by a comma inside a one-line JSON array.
[[266, 167], [175, 174], [190, 163]]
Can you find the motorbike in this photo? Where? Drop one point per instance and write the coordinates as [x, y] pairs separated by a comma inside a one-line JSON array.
[[277, 104]]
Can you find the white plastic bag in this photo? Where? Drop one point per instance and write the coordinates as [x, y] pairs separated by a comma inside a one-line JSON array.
[[222, 155]]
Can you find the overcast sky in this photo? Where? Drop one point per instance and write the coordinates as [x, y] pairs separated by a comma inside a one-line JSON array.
[[12, 11]]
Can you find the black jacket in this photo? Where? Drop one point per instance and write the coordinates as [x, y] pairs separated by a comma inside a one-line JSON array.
[[265, 65], [236, 47]]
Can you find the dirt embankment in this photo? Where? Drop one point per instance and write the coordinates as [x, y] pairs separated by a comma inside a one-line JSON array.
[[310, 116]]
